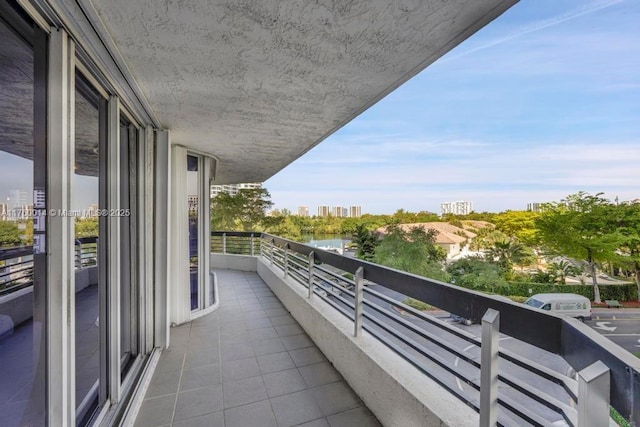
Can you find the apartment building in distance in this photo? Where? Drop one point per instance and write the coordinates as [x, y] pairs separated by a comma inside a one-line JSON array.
[[232, 189], [355, 211], [303, 210], [4, 209], [339, 212], [461, 207], [323, 210], [534, 207]]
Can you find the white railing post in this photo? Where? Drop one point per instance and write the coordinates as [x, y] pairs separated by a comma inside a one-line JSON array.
[[252, 243], [489, 368], [593, 395], [310, 283], [286, 261], [224, 243], [359, 305], [78, 251], [271, 251]]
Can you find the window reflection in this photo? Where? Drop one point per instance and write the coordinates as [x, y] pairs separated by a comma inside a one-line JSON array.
[[87, 284], [192, 206], [22, 272]]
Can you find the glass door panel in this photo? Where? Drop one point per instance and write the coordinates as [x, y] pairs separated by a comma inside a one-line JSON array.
[[89, 290], [22, 263], [129, 238], [193, 210]]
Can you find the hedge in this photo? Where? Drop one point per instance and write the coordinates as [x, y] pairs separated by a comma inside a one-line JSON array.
[[628, 292]]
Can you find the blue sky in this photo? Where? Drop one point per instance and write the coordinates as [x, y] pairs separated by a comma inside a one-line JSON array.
[[541, 103]]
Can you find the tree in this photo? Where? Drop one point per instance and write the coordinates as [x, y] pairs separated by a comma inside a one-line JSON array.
[[628, 222], [506, 253], [10, 234], [246, 211], [366, 242], [283, 226], [561, 269], [86, 227], [413, 251], [581, 227], [486, 238], [518, 224], [475, 272]]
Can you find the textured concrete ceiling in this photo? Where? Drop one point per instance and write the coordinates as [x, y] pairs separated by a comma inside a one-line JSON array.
[[16, 95], [258, 83], [16, 107]]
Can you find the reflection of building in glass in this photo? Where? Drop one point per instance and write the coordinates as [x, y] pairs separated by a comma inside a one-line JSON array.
[[192, 203], [17, 199], [232, 189], [323, 210], [460, 207], [303, 210], [92, 211], [4, 208], [355, 211]]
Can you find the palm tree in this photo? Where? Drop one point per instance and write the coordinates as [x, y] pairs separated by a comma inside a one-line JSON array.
[[506, 253], [562, 269]]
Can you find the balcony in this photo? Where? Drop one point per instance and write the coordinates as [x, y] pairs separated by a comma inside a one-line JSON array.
[[248, 364], [296, 340]]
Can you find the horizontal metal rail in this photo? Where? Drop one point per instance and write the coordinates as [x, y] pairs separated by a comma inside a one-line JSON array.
[[16, 263], [576, 343], [323, 279]]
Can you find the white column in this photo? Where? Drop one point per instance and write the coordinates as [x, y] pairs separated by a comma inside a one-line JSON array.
[[205, 226], [179, 289], [162, 178], [60, 231]]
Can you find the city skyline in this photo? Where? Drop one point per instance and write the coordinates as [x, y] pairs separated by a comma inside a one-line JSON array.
[[542, 103]]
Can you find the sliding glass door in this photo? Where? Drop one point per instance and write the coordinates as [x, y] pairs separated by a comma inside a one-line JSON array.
[[23, 262], [90, 286]]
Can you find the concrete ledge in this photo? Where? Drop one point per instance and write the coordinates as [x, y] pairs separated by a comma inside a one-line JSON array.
[[234, 262], [396, 392]]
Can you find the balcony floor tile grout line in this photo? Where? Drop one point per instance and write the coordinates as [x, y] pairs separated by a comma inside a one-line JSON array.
[[184, 360]]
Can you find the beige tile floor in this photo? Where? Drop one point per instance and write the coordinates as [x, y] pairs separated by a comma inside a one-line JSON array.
[[248, 364]]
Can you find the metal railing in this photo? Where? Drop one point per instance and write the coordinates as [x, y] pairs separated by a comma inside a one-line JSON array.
[[16, 263], [16, 268], [235, 242], [527, 392]]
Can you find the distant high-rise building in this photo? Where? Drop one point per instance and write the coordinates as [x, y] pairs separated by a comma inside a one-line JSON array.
[[355, 211], [534, 207], [4, 211], [92, 211], [192, 205], [323, 211], [17, 199], [460, 207], [232, 189], [339, 211], [303, 210]]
